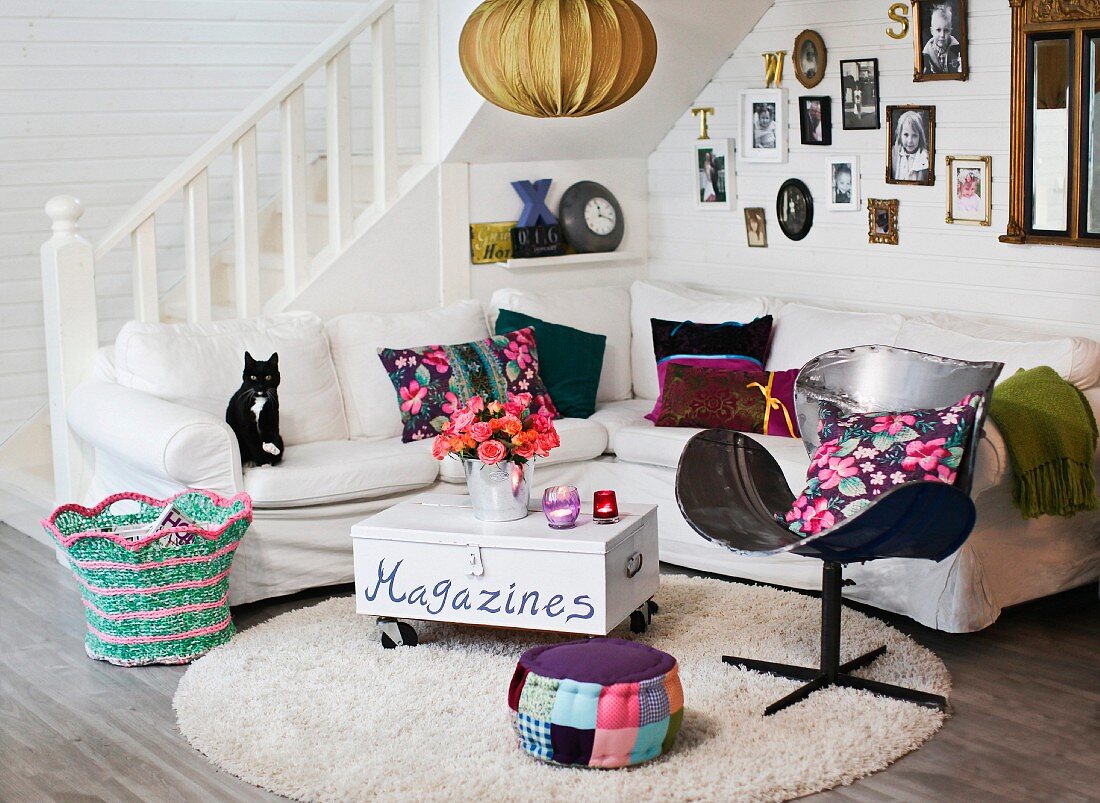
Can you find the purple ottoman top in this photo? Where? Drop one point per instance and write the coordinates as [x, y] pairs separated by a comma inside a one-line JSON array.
[[598, 660]]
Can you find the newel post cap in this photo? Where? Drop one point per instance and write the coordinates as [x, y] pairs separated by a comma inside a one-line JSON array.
[[64, 211]]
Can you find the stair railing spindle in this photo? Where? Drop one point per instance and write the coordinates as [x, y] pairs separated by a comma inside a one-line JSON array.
[[196, 248], [246, 227], [338, 126], [143, 249], [293, 154]]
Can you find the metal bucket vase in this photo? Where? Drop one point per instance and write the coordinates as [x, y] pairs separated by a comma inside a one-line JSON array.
[[499, 492]]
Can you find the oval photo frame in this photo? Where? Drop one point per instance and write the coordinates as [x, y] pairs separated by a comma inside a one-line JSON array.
[[794, 208], [809, 69]]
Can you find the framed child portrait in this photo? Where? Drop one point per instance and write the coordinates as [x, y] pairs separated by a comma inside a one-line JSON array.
[[756, 227], [882, 220], [815, 119], [763, 126], [940, 41], [843, 182], [859, 93], [969, 182], [714, 178], [911, 145]]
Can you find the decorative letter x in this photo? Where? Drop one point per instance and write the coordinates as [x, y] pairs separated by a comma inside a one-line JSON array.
[[534, 202]]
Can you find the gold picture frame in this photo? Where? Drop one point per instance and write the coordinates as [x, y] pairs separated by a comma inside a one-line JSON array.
[[882, 220], [810, 58], [921, 169], [969, 178], [926, 66]]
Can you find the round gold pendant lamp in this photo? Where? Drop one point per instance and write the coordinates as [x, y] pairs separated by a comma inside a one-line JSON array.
[[557, 58]]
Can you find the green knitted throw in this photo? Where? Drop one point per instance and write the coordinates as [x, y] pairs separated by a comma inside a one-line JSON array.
[[1051, 435]]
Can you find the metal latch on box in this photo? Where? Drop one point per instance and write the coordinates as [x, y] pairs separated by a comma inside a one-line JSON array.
[[475, 567]]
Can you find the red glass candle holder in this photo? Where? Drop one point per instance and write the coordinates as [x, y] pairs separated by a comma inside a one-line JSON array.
[[605, 509]]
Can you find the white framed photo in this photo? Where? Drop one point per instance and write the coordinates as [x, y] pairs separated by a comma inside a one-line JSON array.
[[715, 182], [842, 179], [763, 126]]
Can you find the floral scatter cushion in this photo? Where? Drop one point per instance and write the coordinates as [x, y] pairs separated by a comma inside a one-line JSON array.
[[747, 401], [730, 345], [864, 454], [434, 381]]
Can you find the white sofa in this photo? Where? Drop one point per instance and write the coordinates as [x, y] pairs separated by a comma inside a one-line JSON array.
[[153, 416]]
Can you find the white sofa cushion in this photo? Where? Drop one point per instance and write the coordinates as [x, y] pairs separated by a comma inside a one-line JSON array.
[[581, 439], [369, 397], [1076, 359], [676, 303], [339, 471], [801, 332], [199, 365], [600, 310], [613, 416]]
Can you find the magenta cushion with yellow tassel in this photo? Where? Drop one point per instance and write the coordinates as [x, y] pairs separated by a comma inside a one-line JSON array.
[[760, 402]]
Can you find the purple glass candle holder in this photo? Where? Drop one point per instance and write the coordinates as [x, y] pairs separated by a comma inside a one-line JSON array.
[[561, 504]]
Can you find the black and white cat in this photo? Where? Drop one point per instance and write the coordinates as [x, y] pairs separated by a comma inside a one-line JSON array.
[[253, 412]]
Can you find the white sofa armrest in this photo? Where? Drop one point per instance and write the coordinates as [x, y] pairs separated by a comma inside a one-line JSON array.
[[152, 444]]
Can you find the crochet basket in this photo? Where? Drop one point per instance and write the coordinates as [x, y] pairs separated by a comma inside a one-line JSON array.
[[164, 597]]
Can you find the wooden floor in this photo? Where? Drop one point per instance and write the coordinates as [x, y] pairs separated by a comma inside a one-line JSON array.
[[1026, 722]]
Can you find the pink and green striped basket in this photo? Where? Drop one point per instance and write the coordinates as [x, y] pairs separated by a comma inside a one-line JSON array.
[[147, 602]]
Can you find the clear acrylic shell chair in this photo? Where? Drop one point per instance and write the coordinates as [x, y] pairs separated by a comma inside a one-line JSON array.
[[729, 490]]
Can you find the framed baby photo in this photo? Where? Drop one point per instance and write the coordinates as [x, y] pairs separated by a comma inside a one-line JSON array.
[[815, 120], [809, 58], [911, 145], [859, 93], [714, 178], [763, 125], [969, 182], [756, 227], [882, 220], [842, 179], [940, 41]]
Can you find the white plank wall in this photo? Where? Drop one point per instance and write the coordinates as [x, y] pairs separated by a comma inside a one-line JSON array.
[[936, 266], [101, 100]]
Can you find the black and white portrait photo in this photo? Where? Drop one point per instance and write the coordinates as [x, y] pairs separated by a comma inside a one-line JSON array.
[[911, 142], [763, 125], [882, 220], [940, 40], [859, 90], [809, 58], [815, 120], [843, 177], [756, 232], [794, 207]]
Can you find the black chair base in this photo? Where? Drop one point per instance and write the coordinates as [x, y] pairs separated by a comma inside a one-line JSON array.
[[832, 672], [820, 680]]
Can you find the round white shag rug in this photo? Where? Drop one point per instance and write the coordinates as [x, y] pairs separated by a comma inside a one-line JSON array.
[[309, 705]]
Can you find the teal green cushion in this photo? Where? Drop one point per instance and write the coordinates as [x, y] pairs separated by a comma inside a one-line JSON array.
[[570, 361]]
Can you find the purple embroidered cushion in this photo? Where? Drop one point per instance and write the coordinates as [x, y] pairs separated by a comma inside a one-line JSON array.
[[730, 345], [864, 454], [747, 401], [432, 381]]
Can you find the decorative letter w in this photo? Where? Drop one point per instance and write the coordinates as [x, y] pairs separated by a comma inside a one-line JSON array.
[[773, 67]]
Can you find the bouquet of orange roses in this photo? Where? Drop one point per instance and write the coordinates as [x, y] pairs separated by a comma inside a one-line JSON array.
[[494, 432]]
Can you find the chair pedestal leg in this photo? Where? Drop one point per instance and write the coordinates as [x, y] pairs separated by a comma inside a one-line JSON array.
[[832, 672]]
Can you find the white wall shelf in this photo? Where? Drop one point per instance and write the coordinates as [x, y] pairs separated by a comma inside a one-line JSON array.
[[570, 259]]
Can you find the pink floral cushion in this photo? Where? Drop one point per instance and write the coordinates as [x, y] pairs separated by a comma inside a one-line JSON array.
[[865, 454], [433, 381]]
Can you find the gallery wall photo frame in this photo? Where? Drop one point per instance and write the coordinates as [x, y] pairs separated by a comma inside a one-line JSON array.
[[911, 145], [842, 179], [815, 119], [969, 190], [940, 40], [882, 220], [859, 94], [810, 58], [714, 174], [763, 126]]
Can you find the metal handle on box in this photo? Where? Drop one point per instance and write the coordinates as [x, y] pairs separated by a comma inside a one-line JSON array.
[[634, 564]]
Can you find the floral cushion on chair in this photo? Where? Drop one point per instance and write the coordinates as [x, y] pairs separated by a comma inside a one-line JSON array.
[[433, 381], [864, 454]]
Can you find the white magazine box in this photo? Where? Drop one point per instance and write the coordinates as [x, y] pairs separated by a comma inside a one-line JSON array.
[[430, 559]]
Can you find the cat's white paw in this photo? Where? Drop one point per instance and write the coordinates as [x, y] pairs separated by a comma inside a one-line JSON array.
[[271, 448]]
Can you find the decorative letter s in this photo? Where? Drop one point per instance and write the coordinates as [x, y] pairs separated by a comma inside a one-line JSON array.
[[899, 12]]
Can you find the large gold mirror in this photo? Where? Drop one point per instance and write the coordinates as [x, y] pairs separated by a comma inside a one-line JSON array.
[[1054, 189]]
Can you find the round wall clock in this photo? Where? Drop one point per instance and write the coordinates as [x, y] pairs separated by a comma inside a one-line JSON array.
[[591, 218], [794, 206]]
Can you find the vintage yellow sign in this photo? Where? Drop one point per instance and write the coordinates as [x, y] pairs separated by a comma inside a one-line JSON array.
[[491, 242]]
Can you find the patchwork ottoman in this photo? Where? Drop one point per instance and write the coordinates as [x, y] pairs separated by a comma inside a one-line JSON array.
[[600, 702]]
